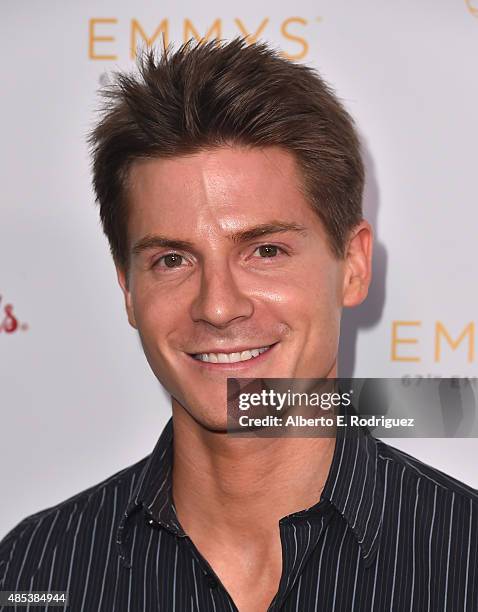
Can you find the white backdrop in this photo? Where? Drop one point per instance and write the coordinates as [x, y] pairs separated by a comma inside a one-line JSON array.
[[78, 400]]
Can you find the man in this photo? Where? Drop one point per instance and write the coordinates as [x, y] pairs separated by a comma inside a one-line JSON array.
[[230, 182]]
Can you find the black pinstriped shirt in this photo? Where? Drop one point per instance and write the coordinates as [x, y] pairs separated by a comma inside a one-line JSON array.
[[388, 533]]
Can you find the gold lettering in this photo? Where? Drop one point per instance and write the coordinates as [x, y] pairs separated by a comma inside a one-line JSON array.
[[472, 7], [469, 331], [190, 31], [304, 44], [396, 340], [251, 38], [136, 29], [93, 38]]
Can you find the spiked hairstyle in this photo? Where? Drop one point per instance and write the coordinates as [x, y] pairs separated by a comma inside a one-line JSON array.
[[207, 95]]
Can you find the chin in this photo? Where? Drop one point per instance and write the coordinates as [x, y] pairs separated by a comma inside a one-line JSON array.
[[211, 422], [209, 414]]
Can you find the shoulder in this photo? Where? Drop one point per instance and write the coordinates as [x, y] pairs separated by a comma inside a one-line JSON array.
[[425, 483], [27, 544]]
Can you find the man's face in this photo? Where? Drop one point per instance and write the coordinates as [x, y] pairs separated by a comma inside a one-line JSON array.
[[227, 257]]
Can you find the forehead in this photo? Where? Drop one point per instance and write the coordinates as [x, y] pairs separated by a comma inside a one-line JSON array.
[[216, 190]]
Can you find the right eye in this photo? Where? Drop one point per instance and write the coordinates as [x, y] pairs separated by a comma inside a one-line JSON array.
[[170, 260]]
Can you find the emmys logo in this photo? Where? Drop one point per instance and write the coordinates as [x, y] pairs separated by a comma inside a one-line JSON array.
[[104, 43], [472, 6], [9, 323], [408, 333]]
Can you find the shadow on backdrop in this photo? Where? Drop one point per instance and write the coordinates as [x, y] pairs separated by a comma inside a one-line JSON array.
[[369, 313]]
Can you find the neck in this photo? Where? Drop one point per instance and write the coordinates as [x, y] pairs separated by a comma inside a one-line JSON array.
[[231, 487]]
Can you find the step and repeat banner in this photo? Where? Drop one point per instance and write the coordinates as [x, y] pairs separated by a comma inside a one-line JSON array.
[[78, 400]]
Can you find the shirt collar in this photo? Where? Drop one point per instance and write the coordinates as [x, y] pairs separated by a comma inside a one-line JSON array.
[[354, 486], [153, 493]]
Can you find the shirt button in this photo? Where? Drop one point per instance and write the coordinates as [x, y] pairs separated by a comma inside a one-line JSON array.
[[211, 581]]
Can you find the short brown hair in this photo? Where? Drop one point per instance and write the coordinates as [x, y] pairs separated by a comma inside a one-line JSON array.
[[208, 94]]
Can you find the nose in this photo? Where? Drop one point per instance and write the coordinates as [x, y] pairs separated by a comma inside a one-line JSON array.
[[220, 299]]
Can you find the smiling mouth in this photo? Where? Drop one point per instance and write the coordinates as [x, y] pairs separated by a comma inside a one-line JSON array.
[[246, 355]]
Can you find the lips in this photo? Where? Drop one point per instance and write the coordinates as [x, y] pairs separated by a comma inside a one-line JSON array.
[[232, 357], [236, 358]]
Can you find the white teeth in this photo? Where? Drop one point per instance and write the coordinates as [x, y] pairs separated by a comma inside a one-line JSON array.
[[231, 357]]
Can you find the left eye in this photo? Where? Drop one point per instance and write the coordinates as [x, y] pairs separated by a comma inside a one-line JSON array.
[[268, 250]]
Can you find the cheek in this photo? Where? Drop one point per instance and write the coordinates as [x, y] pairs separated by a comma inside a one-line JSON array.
[[310, 303], [155, 314], [156, 319]]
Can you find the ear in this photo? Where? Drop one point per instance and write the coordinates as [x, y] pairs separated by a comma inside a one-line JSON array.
[[124, 284], [358, 264]]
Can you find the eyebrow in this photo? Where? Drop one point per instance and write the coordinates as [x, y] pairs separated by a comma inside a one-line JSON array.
[[275, 227]]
